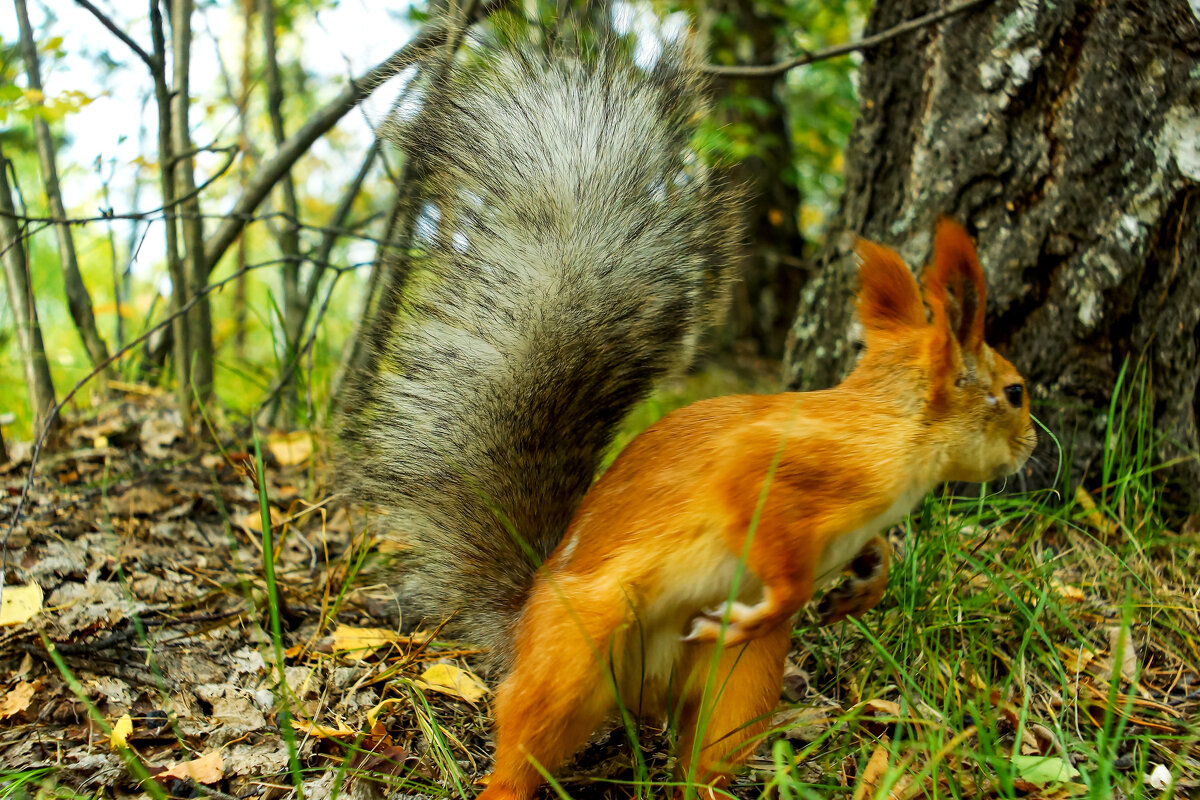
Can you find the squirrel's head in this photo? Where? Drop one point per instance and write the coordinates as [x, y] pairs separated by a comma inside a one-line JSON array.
[[972, 401]]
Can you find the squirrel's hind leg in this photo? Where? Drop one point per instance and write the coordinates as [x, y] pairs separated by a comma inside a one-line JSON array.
[[745, 689], [557, 694]]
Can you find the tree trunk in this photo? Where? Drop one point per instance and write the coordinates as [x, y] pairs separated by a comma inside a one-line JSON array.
[[20, 295], [166, 170], [765, 298], [1067, 137], [78, 300], [288, 237], [199, 324]]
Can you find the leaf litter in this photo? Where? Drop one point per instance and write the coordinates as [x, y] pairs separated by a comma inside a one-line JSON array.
[[139, 559]]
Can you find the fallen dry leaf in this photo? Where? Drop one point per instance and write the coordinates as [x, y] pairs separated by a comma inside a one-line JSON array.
[[883, 708], [1122, 639], [1076, 660], [120, 733], [144, 501], [373, 714], [1097, 521], [17, 699], [1072, 593], [361, 642], [252, 522], [450, 680], [323, 731], [208, 768], [872, 773], [21, 603], [291, 449]]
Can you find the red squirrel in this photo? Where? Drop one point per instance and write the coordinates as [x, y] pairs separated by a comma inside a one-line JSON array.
[[575, 254]]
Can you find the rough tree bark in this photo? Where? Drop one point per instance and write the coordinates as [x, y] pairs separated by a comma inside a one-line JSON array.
[[1067, 137]]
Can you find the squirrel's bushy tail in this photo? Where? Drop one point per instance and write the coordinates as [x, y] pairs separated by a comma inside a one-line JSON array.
[[569, 252]]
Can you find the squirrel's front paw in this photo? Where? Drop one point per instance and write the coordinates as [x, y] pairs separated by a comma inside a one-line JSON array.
[[863, 590], [743, 624]]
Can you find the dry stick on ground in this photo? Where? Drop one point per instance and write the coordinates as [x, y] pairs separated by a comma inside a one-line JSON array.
[[78, 299], [20, 295], [199, 320], [771, 70]]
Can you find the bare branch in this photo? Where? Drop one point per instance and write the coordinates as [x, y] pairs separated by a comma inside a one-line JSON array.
[[113, 28], [289, 237], [272, 170], [340, 214], [771, 70]]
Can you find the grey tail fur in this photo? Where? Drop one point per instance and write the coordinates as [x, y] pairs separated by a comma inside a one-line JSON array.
[[570, 250]]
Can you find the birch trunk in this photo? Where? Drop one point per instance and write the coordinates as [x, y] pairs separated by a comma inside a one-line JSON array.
[[1066, 136]]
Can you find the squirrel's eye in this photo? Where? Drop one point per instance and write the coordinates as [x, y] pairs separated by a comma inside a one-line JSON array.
[[1013, 393]]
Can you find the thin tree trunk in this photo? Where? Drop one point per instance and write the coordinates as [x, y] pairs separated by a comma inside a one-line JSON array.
[[765, 297], [114, 271], [166, 168], [289, 233], [200, 317], [1067, 137], [243, 101], [78, 299], [20, 295]]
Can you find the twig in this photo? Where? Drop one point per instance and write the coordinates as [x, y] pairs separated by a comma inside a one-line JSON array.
[[771, 70], [115, 30], [272, 170]]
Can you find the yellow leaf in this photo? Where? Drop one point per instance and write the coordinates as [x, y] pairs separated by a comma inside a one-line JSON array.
[[872, 773], [1093, 516], [292, 448], [21, 604], [373, 714], [323, 731], [450, 680], [120, 733], [1072, 593], [208, 768], [361, 642]]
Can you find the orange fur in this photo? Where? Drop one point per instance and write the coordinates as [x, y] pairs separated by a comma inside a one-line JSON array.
[[634, 597]]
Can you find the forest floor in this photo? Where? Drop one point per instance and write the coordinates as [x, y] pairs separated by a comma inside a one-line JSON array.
[[1029, 646]]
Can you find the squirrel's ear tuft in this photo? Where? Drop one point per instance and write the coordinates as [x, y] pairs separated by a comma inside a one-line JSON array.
[[889, 298], [954, 286]]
